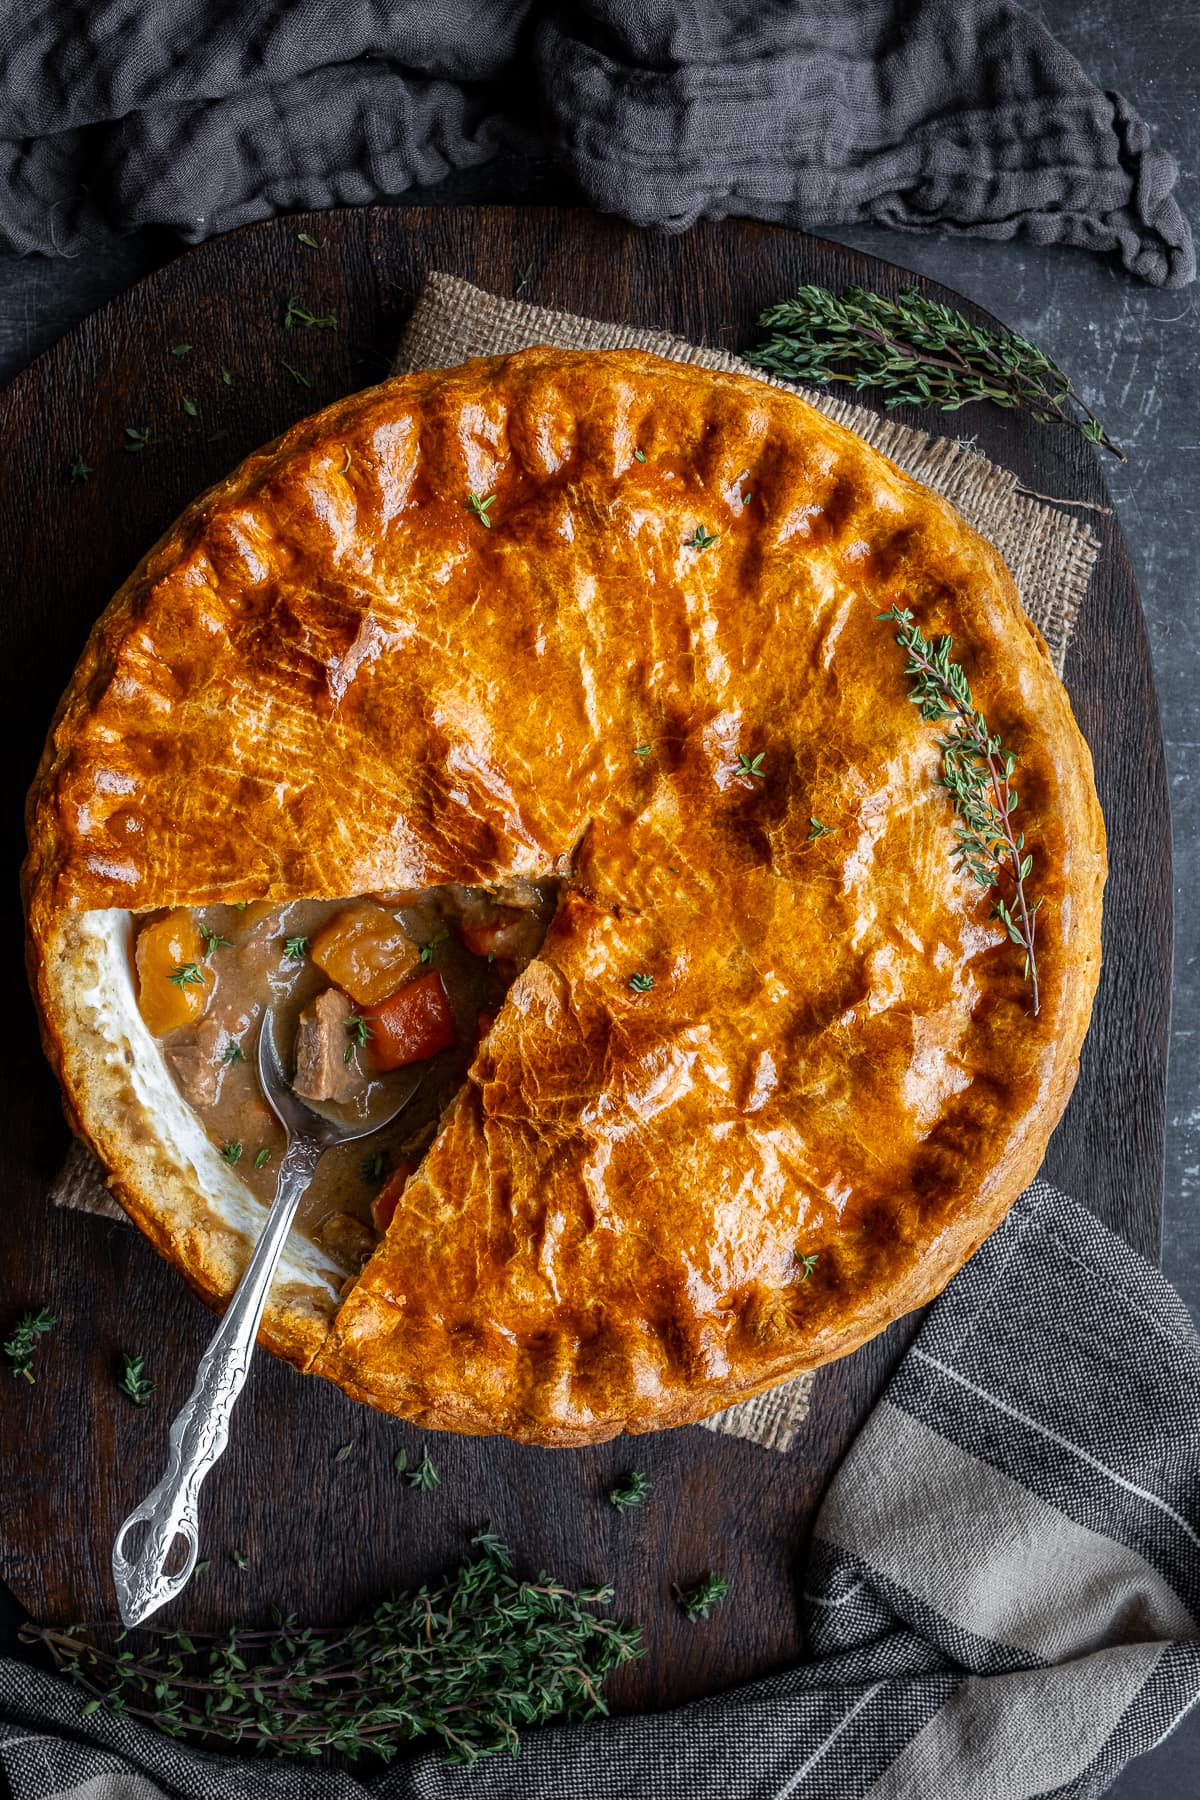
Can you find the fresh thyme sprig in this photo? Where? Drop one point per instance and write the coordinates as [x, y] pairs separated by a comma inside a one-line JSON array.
[[976, 773], [467, 1661], [697, 1602], [360, 1031], [919, 353], [297, 314], [422, 1475], [22, 1345], [185, 975], [630, 1491], [135, 1384]]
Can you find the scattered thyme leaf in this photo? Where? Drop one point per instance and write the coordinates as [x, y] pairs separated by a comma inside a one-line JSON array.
[[478, 504], [639, 456], [977, 773], [918, 353], [630, 1491], [360, 1031], [181, 349], [752, 765], [641, 749], [23, 1344], [214, 941], [262, 1159], [295, 949], [136, 438], [190, 407], [226, 376], [345, 1451], [296, 375], [372, 1165], [240, 1559], [808, 1263], [697, 1602], [201, 1566], [217, 437], [297, 314], [523, 283], [185, 975], [135, 1384], [233, 1053], [640, 983], [232, 1152], [817, 830], [310, 243], [422, 1475], [81, 470], [701, 539]]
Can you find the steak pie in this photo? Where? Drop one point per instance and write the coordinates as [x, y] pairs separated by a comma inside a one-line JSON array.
[[532, 726]]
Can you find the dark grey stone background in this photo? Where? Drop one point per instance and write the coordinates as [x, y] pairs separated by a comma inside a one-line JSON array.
[[1134, 351]]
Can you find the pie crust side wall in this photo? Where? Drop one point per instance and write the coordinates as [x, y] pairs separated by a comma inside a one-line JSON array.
[[581, 1386]]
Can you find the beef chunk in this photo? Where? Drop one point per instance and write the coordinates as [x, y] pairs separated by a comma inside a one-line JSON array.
[[195, 1059], [322, 1071]]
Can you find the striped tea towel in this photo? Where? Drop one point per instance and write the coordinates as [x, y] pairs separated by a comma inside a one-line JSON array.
[[1001, 1596]]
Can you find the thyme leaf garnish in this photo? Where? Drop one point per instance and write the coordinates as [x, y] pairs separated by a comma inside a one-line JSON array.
[[360, 1031], [478, 504], [296, 375], [81, 470], [233, 1053], [808, 1263], [23, 1344], [701, 539], [190, 407], [431, 944], [136, 438], [310, 243], [467, 1661], [371, 1166], [752, 765], [262, 1159], [188, 974], [135, 1384], [214, 941], [918, 353], [640, 983], [697, 1602], [181, 349], [976, 772], [817, 830], [295, 949], [232, 1152], [630, 1491]]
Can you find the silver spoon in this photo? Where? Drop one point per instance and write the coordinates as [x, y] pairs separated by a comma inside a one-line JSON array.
[[201, 1431]]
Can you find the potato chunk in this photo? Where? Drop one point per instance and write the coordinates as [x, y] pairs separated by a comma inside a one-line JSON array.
[[174, 981], [365, 952]]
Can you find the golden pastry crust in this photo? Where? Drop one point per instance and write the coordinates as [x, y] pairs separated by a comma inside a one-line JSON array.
[[332, 677]]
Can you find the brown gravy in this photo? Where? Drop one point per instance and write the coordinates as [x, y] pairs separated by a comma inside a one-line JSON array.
[[247, 968]]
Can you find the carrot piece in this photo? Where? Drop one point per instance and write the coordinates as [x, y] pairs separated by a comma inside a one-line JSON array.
[[415, 1022], [384, 1204], [174, 981]]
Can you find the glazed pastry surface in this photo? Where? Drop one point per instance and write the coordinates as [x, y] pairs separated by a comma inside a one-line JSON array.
[[611, 619]]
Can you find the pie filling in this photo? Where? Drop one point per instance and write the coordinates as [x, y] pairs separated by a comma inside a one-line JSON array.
[[366, 992]]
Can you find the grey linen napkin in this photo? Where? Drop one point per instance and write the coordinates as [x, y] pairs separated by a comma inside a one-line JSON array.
[[954, 115], [1001, 1598]]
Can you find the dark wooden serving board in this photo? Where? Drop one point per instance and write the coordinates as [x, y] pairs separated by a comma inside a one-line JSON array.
[[326, 1537]]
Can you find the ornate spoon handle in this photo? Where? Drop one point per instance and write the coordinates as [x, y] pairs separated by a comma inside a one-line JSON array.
[[201, 1431]]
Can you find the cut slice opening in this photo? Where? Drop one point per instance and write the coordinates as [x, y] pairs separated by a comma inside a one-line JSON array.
[[364, 989]]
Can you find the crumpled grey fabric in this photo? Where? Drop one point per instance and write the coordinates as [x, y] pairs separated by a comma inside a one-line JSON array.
[[1001, 1598], [952, 115]]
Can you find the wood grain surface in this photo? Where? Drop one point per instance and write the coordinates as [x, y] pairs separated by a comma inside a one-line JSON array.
[[326, 1537]]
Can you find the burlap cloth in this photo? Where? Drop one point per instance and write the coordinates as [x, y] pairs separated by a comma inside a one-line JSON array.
[[1050, 554]]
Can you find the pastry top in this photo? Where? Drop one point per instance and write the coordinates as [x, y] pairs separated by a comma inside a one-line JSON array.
[[616, 618]]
